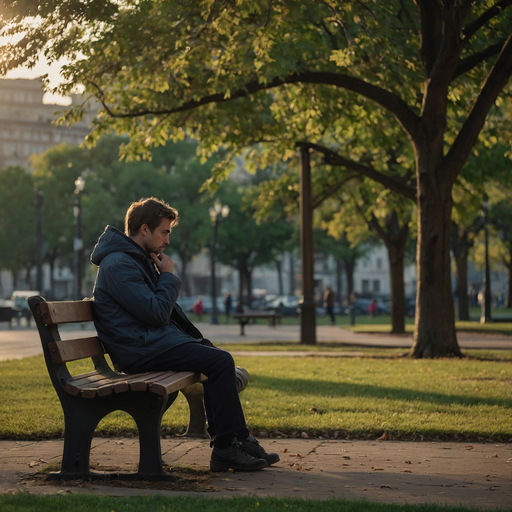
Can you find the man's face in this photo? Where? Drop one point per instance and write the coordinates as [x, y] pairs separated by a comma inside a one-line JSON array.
[[156, 241]]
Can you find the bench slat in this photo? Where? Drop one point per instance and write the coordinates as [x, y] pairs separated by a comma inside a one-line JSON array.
[[174, 382], [71, 350], [78, 311]]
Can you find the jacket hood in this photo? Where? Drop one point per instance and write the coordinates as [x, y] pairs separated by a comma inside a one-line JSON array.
[[113, 240]]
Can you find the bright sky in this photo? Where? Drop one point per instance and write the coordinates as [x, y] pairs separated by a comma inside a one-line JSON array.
[[40, 69]]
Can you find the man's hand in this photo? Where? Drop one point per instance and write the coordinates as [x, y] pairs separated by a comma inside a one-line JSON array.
[[163, 262]]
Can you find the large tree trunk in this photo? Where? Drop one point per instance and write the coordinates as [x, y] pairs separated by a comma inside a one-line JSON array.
[[395, 238], [460, 247], [396, 263], [508, 301], [434, 333]]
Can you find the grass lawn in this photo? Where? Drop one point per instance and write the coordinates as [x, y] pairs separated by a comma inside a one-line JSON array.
[[361, 397], [82, 502]]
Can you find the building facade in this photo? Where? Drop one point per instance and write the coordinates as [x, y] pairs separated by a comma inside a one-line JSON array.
[[26, 123]]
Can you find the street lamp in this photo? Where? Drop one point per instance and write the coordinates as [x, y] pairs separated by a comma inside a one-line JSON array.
[[218, 214], [78, 242], [486, 290]]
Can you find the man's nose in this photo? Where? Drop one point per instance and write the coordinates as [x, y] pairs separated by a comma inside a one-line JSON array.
[[166, 241]]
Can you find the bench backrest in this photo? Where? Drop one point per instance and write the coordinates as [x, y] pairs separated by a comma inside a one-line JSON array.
[[57, 352], [59, 313]]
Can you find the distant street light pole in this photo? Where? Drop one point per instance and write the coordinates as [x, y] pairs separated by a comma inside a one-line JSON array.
[[78, 243], [218, 214], [486, 290]]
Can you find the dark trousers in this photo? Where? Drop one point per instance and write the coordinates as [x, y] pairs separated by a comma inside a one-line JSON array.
[[221, 401], [330, 312]]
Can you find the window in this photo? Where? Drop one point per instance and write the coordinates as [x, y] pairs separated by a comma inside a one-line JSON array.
[[366, 285], [376, 285], [379, 263]]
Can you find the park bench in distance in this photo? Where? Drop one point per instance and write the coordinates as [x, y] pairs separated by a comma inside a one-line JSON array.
[[89, 397], [245, 317]]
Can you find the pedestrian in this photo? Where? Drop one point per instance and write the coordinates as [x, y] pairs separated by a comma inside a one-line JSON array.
[[372, 307], [228, 304], [197, 307], [143, 328], [329, 303]]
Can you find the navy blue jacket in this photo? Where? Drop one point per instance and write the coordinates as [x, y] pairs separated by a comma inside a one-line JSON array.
[[135, 310]]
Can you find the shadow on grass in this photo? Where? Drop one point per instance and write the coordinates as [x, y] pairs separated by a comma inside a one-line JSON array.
[[333, 389]]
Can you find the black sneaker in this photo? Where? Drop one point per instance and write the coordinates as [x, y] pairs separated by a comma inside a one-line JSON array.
[[253, 447], [234, 457]]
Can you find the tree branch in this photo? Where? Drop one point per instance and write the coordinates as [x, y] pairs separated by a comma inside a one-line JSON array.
[[496, 80], [335, 159], [318, 201], [488, 15], [472, 61], [389, 101]]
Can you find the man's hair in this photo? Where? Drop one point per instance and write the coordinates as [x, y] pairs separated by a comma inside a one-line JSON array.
[[148, 211]]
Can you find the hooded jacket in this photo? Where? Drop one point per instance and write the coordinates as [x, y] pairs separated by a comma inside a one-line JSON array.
[[135, 310]]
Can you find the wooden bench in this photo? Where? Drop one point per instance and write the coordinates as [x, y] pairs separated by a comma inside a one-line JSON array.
[[89, 397], [245, 317]]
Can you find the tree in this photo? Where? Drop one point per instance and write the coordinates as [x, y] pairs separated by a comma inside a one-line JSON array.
[[111, 185], [245, 244], [17, 221], [235, 73]]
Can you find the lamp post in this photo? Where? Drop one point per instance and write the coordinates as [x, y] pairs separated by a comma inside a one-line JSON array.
[[486, 295], [218, 214], [78, 242]]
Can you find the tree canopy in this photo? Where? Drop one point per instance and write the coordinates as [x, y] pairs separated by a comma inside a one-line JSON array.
[[273, 74]]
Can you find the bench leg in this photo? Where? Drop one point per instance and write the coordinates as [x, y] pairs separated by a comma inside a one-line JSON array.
[[80, 423], [149, 421], [197, 421]]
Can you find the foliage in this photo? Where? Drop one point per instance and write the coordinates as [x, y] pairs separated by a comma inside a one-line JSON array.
[[343, 78], [17, 219]]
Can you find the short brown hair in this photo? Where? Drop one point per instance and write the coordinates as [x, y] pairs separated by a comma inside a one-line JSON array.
[[148, 211]]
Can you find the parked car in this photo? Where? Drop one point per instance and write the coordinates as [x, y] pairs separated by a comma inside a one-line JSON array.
[[287, 305], [19, 299]]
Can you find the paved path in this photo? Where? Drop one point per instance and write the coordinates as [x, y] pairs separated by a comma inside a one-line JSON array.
[[17, 343], [474, 475]]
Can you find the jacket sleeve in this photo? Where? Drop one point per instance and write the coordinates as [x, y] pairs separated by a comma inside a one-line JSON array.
[[125, 282]]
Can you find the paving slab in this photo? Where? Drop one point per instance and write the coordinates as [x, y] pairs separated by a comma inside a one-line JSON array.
[[475, 475]]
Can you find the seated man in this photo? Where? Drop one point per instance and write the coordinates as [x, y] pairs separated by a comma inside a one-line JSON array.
[[144, 329]]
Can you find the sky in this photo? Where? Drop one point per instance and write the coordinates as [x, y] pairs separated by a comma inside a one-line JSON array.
[[40, 69]]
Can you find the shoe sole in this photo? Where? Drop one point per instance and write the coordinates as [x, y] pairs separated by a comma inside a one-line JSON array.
[[225, 466]]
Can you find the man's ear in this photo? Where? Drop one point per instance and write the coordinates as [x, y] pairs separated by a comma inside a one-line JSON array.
[[144, 229]]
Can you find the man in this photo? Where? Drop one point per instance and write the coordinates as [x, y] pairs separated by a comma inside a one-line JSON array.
[[143, 328], [329, 303]]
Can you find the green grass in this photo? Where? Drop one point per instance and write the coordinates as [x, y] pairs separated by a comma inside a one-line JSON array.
[[358, 397], [83, 502]]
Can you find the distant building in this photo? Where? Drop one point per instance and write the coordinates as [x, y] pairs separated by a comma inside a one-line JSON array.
[[26, 122]]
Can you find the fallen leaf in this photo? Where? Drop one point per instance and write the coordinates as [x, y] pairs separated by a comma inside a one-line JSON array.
[[407, 462], [386, 487], [378, 469], [285, 450], [407, 471], [304, 435], [383, 437]]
